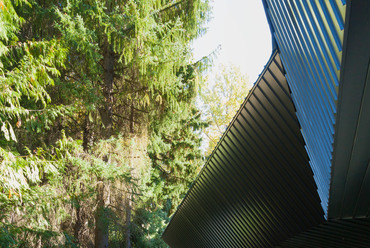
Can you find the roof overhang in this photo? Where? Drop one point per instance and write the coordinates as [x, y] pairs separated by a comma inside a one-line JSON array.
[[350, 183], [257, 188]]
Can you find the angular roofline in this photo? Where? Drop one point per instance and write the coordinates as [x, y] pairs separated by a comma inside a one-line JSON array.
[[273, 54]]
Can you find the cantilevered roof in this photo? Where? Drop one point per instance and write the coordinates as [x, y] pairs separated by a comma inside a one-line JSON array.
[[351, 233], [257, 187], [293, 167], [309, 35], [350, 184]]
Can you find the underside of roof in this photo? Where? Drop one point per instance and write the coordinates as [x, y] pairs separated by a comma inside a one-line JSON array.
[[257, 188], [352, 233], [350, 184], [293, 167], [309, 35]]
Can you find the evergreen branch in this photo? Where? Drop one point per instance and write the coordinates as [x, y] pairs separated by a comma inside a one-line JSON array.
[[169, 7], [162, 169], [140, 110], [73, 119], [129, 192], [69, 76], [181, 178], [169, 175], [125, 118], [139, 90]]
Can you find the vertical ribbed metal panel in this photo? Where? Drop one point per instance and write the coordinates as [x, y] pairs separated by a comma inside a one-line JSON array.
[[350, 182], [257, 187], [309, 34]]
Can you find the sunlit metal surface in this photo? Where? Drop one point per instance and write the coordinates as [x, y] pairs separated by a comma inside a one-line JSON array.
[[276, 180], [309, 35]]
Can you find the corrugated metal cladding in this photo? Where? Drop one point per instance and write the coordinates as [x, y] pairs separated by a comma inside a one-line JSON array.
[[257, 188], [309, 34], [334, 234], [350, 183]]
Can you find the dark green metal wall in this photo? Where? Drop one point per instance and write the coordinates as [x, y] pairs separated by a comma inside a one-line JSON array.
[[309, 35], [266, 184], [257, 188]]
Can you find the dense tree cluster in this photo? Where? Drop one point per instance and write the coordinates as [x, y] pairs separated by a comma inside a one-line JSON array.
[[99, 135]]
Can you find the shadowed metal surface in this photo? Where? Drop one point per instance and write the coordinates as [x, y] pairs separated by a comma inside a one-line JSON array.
[[309, 34], [350, 186], [257, 188], [334, 234]]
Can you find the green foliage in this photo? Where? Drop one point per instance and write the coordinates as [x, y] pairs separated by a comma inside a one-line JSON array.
[[175, 153], [228, 89], [98, 119], [149, 41], [46, 189], [27, 68], [148, 227]]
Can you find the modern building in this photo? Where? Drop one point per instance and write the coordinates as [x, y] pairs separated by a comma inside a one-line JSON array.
[[293, 167]]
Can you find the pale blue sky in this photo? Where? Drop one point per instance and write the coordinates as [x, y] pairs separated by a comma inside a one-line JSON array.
[[241, 28]]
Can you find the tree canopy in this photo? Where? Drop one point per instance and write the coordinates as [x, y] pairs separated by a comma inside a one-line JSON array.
[[221, 98], [99, 135]]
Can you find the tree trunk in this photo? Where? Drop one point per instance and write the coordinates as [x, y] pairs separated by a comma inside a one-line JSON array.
[[79, 224], [101, 220], [128, 221], [129, 196], [106, 112], [88, 134], [132, 118]]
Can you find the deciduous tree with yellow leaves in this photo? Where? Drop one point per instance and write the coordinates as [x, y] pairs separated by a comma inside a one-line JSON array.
[[222, 94]]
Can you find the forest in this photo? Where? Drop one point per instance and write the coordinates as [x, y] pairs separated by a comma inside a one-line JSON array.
[[99, 135], [101, 132]]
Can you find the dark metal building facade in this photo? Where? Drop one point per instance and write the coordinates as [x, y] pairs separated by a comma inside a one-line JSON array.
[[309, 35], [293, 167], [350, 183], [257, 188]]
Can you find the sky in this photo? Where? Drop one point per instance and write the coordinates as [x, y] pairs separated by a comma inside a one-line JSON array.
[[240, 28]]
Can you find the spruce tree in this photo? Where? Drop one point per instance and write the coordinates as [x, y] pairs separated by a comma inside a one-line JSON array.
[[117, 76]]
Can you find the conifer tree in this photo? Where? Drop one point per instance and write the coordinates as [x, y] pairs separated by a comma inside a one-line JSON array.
[[137, 49], [117, 76]]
